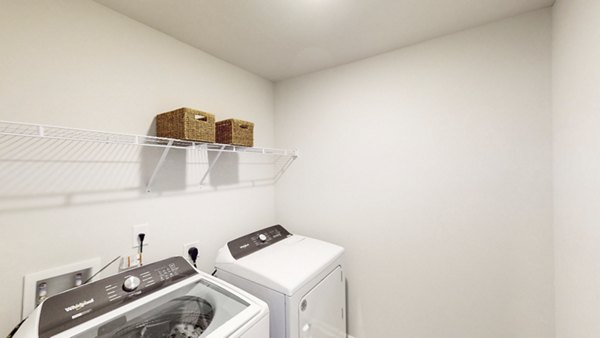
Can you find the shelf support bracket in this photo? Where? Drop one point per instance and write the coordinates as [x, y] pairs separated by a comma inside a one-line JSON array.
[[284, 168], [211, 165], [160, 163]]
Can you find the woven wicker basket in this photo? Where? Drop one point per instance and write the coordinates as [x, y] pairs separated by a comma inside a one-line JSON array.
[[235, 132], [186, 124]]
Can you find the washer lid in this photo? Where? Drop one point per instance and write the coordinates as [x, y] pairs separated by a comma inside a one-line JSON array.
[[171, 299], [284, 266], [198, 309]]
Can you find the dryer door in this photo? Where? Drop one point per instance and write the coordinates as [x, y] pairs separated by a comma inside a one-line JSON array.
[[323, 309]]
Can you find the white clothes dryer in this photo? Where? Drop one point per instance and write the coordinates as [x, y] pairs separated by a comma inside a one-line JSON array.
[[300, 278], [164, 299]]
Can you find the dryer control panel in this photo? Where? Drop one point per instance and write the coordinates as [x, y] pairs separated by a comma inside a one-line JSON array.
[[78, 305], [257, 240]]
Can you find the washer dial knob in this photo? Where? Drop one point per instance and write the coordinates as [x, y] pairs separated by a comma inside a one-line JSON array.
[[131, 283], [262, 237]]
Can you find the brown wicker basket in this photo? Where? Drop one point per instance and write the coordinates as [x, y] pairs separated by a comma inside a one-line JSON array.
[[186, 124], [235, 132]]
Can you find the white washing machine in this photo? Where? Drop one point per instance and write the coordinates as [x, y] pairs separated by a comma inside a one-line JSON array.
[[300, 278], [164, 299]]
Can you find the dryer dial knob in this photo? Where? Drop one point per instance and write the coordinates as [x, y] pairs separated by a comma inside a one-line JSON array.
[[131, 283], [262, 237]]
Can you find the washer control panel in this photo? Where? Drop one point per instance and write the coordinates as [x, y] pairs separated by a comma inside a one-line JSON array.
[[258, 240], [78, 305]]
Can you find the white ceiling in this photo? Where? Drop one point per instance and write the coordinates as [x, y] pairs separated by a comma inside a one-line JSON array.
[[278, 39]]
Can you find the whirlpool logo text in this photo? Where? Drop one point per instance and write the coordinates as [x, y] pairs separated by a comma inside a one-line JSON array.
[[80, 305]]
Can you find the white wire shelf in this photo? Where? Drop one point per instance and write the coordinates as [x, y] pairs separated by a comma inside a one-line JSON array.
[[29, 130]]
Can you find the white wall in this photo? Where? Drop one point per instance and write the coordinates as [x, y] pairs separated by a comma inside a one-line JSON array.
[[78, 64], [432, 165], [576, 112]]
